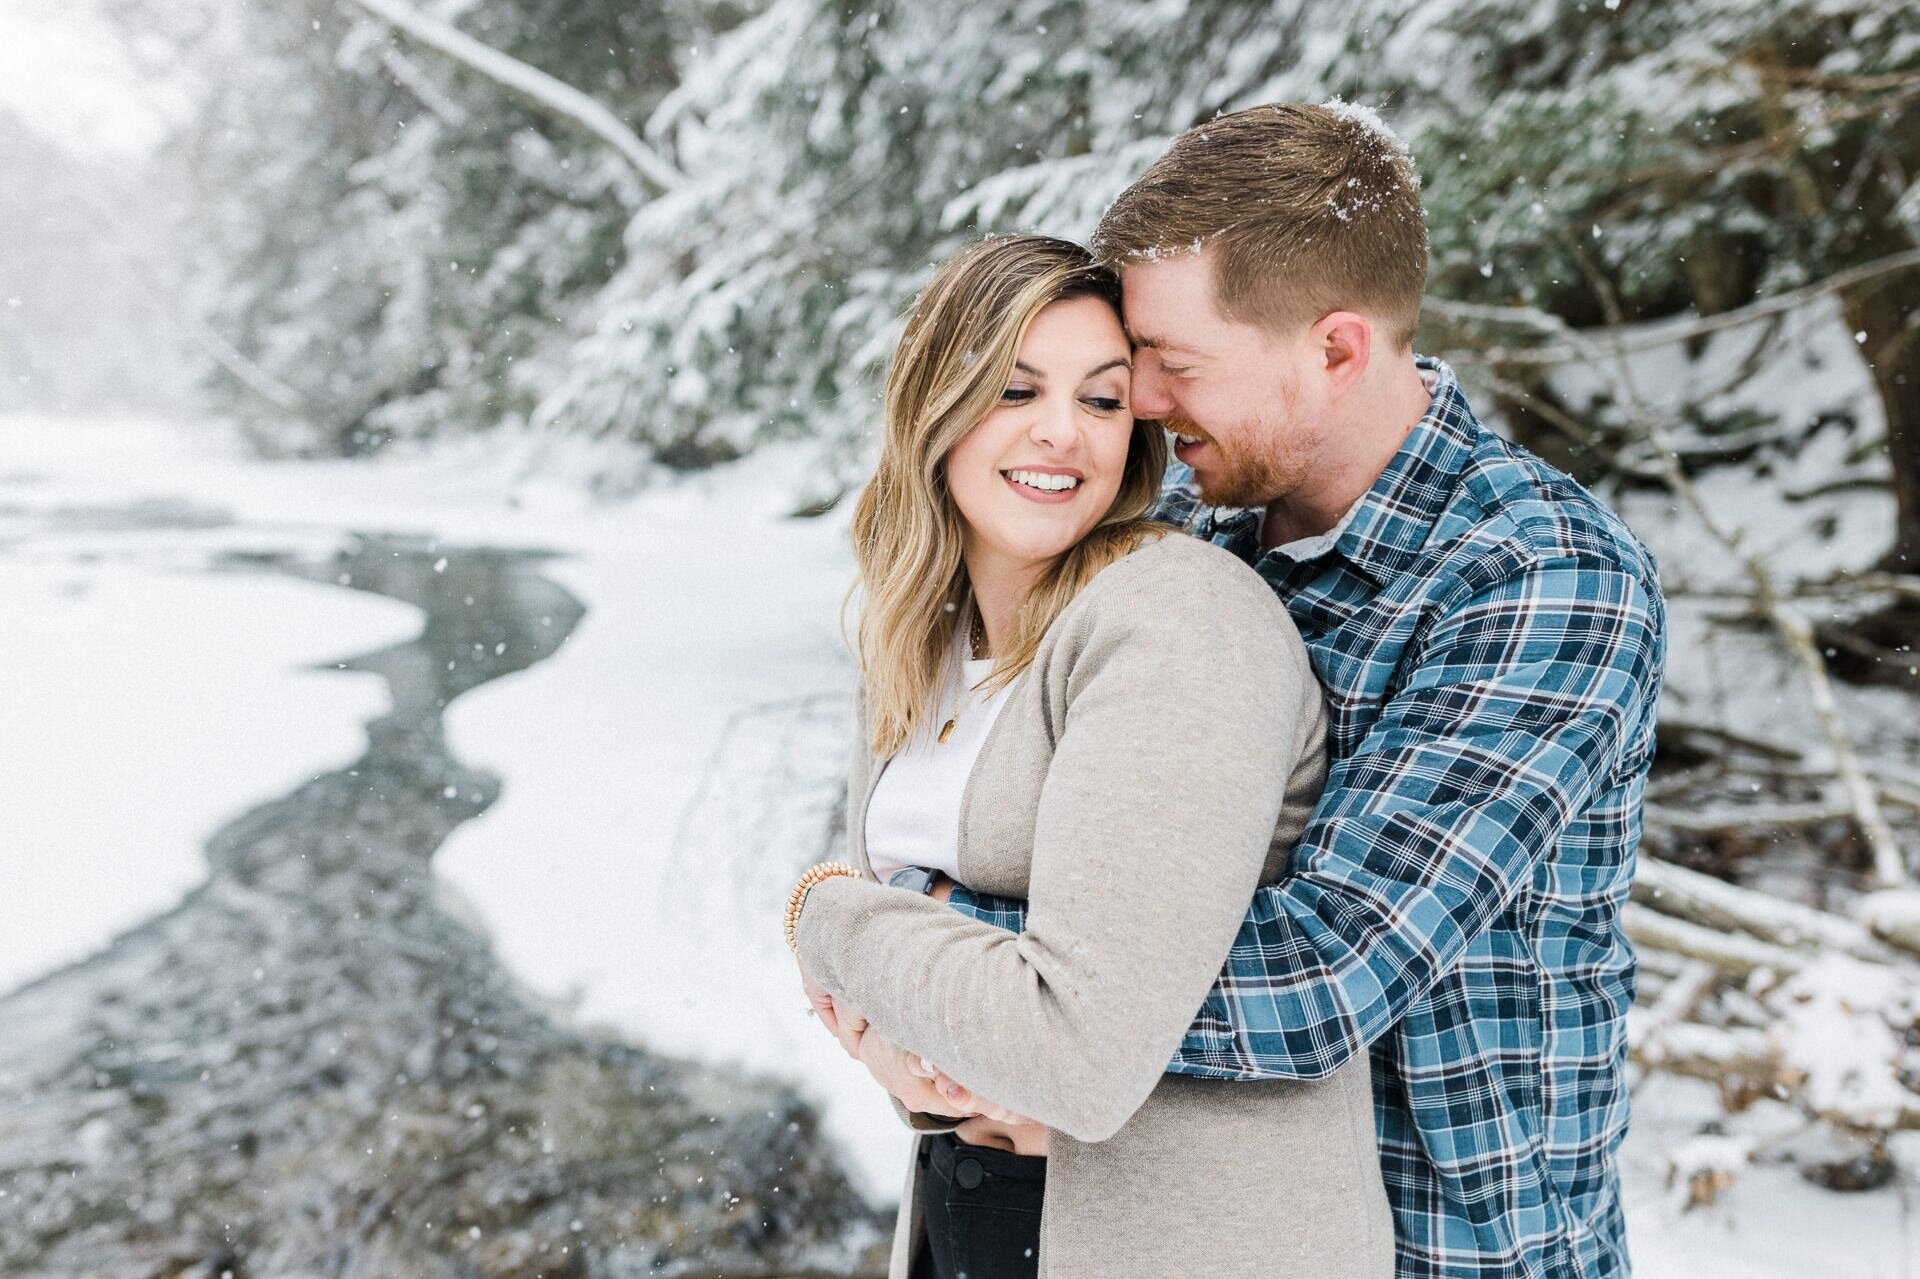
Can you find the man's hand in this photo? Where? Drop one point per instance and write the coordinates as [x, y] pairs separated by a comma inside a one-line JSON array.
[[842, 1022], [964, 1099], [902, 1073]]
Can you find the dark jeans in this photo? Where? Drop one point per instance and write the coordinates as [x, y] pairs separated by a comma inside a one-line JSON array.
[[982, 1209]]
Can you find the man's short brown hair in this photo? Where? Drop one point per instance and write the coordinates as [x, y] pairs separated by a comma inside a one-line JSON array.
[[1308, 209]]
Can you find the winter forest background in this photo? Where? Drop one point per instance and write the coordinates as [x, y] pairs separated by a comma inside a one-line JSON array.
[[423, 425]]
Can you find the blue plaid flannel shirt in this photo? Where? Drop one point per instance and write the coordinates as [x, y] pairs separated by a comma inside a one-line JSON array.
[[1491, 639]]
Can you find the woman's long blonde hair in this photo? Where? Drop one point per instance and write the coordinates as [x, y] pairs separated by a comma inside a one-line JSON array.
[[962, 338]]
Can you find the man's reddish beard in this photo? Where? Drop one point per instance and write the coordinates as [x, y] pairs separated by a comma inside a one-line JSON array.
[[1240, 479]]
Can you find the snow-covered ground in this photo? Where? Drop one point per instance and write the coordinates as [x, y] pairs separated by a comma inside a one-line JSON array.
[[146, 701], [144, 704]]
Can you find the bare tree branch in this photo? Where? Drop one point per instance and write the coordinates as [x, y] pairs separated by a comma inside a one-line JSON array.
[[1729, 818], [165, 302], [1652, 336]]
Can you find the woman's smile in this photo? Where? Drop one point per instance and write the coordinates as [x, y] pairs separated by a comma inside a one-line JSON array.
[[1051, 485]]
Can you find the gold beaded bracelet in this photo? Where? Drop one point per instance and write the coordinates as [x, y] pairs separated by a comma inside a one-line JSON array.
[[796, 899]]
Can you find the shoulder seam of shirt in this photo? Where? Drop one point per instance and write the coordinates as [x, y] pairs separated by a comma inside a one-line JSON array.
[[1578, 525]]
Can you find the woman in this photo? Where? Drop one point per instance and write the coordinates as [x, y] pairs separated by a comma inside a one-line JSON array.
[[1062, 702]]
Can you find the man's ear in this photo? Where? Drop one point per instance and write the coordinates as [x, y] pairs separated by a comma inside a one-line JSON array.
[[1345, 340]]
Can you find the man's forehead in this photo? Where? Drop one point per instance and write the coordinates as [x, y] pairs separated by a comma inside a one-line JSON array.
[[1167, 304], [1144, 324]]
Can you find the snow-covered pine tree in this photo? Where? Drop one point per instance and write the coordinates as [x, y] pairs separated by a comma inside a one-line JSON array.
[[1644, 159], [396, 237], [834, 153], [411, 247]]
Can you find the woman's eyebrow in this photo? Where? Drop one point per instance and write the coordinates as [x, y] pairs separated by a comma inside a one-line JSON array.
[[1030, 371]]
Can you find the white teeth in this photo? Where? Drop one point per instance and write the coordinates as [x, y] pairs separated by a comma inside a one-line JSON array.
[[1187, 439], [1036, 480]]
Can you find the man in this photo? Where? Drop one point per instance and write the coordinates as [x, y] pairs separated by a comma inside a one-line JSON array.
[[1491, 640]]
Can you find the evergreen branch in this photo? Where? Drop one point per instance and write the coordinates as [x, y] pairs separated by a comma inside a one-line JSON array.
[[1644, 182], [1570, 426]]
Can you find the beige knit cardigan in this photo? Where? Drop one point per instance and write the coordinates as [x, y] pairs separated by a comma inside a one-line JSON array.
[[1154, 764]]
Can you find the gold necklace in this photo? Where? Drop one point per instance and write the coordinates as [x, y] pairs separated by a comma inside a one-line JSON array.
[[975, 638]]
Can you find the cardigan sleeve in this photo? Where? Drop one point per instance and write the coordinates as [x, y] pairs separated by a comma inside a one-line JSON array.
[[1148, 844]]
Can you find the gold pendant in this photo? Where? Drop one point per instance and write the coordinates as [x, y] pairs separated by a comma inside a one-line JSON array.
[[946, 730]]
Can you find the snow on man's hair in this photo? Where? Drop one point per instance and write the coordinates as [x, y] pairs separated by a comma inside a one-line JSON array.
[[1369, 119], [1302, 209]]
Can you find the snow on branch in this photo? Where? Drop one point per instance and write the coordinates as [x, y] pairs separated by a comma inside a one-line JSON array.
[[1733, 954], [407, 73], [543, 92], [1772, 997]]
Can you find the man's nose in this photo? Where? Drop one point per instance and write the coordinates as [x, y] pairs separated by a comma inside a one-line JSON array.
[[1150, 398]]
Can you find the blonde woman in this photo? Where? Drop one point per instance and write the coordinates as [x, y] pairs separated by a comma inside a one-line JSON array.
[[1047, 682]]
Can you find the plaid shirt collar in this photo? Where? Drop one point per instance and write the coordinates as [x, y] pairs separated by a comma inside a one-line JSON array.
[[1383, 533]]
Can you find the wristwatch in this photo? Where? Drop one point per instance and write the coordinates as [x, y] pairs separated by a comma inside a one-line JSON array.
[[918, 879]]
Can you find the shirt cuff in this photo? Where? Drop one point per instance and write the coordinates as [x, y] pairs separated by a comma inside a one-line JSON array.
[[971, 904]]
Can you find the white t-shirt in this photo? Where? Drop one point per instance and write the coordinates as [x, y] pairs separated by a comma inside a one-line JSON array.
[[913, 818]]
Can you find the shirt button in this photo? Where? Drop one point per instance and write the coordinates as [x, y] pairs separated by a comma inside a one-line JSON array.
[[967, 1172]]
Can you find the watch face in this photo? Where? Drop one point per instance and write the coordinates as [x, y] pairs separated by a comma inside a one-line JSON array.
[[914, 878]]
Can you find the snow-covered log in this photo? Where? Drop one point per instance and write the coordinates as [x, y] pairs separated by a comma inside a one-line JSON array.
[[1717, 905], [1734, 954], [1893, 916], [1773, 998], [1715, 1054]]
